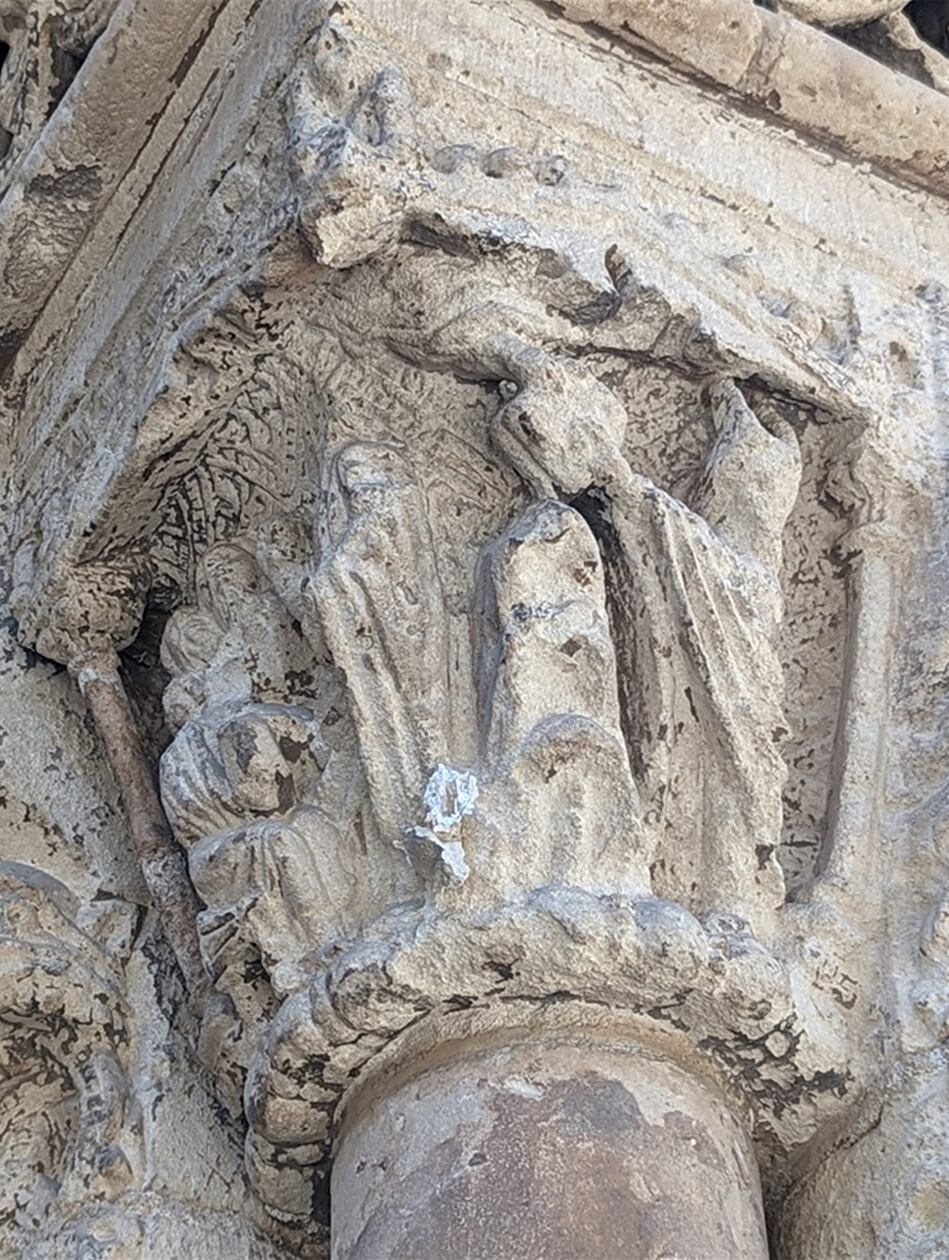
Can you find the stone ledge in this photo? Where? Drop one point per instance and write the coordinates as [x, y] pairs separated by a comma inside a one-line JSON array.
[[797, 73]]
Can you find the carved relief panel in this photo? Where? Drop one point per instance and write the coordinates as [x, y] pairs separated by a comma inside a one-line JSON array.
[[528, 555], [513, 653]]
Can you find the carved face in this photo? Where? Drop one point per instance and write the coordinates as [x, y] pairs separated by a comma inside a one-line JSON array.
[[227, 573], [364, 476]]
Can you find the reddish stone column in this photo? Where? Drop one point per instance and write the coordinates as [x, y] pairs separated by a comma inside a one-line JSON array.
[[552, 1149]]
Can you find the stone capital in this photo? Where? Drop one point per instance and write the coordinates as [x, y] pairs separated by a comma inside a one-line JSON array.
[[486, 479]]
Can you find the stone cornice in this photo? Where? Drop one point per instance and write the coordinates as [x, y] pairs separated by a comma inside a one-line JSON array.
[[141, 103], [795, 72], [88, 148], [45, 426], [103, 148]]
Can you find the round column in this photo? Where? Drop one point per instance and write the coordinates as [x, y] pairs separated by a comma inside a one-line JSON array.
[[546, 1150]]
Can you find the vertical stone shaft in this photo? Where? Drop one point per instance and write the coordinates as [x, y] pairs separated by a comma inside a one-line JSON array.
[[545, 1148], [162, 861]]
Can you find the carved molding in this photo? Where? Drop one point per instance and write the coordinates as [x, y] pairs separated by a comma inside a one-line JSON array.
[[45, 43], [761, 62]]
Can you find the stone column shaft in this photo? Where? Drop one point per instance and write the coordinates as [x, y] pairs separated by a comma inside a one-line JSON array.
[[545, 1148], [163, 863]]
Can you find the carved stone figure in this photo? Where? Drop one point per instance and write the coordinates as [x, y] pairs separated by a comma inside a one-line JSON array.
[[696, 610], [472, 775]]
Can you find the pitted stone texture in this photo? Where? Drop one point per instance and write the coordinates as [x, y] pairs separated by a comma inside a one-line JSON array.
[[63, 1034], [546, 1149], [889, 1170]]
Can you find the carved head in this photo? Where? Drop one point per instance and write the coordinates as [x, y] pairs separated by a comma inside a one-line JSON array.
[[562, 431]]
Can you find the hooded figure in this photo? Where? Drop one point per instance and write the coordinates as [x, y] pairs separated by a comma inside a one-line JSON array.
[[695, 609]]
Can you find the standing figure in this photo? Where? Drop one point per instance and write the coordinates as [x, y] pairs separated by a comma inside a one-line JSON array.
[[695, 610]]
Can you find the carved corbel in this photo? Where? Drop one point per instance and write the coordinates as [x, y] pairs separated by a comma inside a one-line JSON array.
[[354, 158], [366, 184]]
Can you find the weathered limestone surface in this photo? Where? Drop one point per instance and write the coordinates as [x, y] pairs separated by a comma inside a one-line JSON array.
[[473, 713], [557, 1150]]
